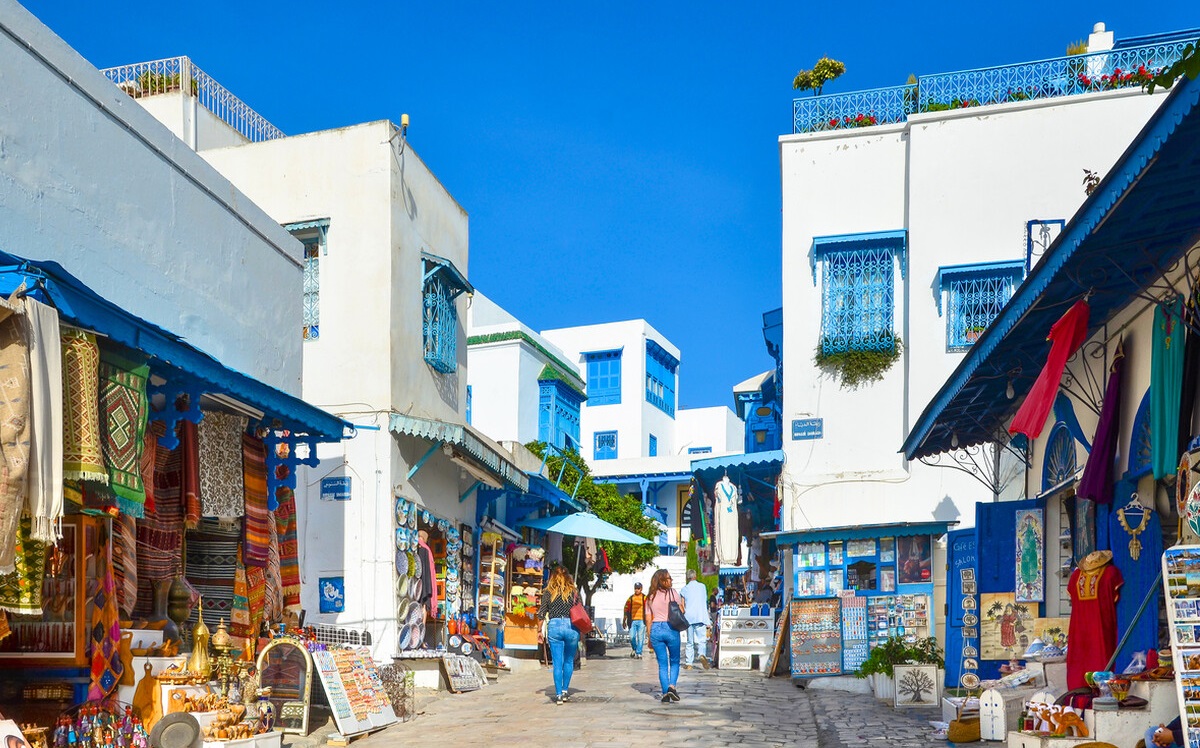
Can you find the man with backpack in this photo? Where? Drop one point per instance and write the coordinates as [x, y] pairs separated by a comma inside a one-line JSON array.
[[635, 620]]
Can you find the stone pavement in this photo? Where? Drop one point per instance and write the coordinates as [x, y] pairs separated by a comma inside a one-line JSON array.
[[614, 704]]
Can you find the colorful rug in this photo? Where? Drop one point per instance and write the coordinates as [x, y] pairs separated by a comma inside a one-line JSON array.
[[149, 458], [256, 550], [239, 616], [105, 634], [15, 435], [273, 595], [96, 499], [289, 557], [160, 532], [189, 472], [21, 590], [125, 569], [222, 486], [46, 415], [256, 588], [83, 458], [212, 550], [124, 409]]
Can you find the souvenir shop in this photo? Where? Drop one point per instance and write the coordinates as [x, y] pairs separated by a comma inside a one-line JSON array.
[[1079, 602], [148, 537]]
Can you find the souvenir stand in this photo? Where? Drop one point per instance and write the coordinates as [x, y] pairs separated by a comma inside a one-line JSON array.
[[747, 633], [170, 515]]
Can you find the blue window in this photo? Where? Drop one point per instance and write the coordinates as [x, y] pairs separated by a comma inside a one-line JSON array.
[[653, 445], [312, 235], [975, 294], [605, 445], [858, 279], [660, 377], [603, 377], [558, 413], [699, 450], [468, 405], [441, 285]]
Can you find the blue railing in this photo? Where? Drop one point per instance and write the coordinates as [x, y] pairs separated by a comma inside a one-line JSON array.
[[1043, 79], [654, 512]]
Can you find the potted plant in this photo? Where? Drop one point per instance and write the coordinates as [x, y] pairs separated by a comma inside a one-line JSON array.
[[974, 332], [880, 665], [856, 367]]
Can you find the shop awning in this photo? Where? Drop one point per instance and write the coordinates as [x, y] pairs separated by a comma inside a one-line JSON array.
[[712, 469], [543, 488], [585, 525], [488, 459], [733, 571], [170, 356], [1141, 219], [858, 532]]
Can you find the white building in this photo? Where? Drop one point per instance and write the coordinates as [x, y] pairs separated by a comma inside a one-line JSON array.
[[917, 228]]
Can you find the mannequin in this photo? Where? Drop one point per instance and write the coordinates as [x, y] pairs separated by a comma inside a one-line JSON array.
[[1095, 588]]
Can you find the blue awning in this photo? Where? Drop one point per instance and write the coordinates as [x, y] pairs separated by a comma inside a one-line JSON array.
[[543, 488], [756, 462], [170, 356], [474, 445], [858, 532], [733, 571], [1140, 220]]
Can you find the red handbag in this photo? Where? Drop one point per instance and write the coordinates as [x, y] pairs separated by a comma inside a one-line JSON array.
[[580, 618]]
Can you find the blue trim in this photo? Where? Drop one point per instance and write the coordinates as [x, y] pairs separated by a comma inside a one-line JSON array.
[[558, 413], [896, 240], [469, 491], [860, 532], [435, 265], [1044, 224], [699, 450], [1064, 410], [660, 377], [1000, 269], [1059, 460], [317, 223], [421, 462]]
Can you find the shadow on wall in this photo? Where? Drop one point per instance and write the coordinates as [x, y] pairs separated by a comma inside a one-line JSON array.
[[946, 511], [447, 386], [410, 203]]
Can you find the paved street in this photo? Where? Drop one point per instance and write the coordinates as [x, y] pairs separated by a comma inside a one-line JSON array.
[[614, 705]]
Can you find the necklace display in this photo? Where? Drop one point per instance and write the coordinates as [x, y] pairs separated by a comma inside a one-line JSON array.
[[1135, 545]]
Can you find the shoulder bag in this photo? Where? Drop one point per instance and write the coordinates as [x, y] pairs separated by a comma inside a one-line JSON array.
[[675, 617], [580, 618]]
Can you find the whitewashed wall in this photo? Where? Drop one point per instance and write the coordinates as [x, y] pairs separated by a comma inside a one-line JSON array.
[[717, 427]]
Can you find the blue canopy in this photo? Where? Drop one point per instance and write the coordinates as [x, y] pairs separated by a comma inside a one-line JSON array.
[[584, 525]]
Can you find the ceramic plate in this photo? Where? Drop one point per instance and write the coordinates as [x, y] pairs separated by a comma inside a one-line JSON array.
[[401, 563], [465, 648], [455, 641], [969, 680], [416, 614], [414, 569]]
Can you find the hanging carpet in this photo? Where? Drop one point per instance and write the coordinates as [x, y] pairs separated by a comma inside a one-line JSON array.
[[105, 634], [83, 457], [222, 485], [21, 590], [46, 420], [125, 575], [289, 557], [14, 427], [124, 409], [212, 550], [257, 548]]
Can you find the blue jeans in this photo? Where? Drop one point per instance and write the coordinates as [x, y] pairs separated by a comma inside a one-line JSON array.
[[564, 641], [665, 641], [637, 636], [696, 641]]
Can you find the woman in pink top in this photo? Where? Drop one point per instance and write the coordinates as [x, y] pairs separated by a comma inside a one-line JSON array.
[[663, 638]]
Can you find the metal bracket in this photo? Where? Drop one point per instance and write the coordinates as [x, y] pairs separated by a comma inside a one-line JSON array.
[[413, 470]]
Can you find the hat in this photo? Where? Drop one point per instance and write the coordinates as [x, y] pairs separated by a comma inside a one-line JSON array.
[[637, 585]]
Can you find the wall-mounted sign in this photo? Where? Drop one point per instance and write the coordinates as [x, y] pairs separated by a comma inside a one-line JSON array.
[[333, 594], [335, 488], [808, 428]]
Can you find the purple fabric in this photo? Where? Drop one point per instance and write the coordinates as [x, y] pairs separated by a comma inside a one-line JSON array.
[[1097, 481]]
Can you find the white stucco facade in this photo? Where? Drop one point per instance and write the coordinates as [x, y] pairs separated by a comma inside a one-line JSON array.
[[962, 184]]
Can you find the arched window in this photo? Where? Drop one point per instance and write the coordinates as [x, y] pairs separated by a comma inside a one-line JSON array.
[[1059, 462]]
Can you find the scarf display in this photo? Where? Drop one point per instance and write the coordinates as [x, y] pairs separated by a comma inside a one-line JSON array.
[[21, 589], [15, 432], [211, 567], [46, 416], [105, 634], [222, 485], [83, 458], [124, 409], [1065, 337], [189, 472], [1097, 481], [257, 540], [124, 562], [289, 556], [1166, 382]]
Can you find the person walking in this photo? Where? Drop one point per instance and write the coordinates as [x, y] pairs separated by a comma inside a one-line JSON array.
[[695, 599], [663, 638], [558, 597], [635, 620]]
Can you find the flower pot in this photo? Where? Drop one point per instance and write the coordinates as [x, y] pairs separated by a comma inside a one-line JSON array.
[[884, 687]]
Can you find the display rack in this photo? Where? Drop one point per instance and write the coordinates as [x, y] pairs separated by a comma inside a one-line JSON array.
[[816, 637], [747, 633], [897, 615], [1181, 583], [524, 593], [493, 568], [855, 639]]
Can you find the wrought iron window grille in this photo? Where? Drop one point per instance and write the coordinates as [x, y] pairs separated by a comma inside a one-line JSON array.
[[974, 297], [441, 285], [605, 445]]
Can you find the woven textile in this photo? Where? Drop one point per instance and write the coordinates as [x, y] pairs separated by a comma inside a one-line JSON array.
[[256, 549], [239, 616], [256, 589], [95, 498], [189, 472], [289, 557], [149, 458], [212, 550], [21, 590], [273, 595], [4, 629], [124, 409], [105, 633], [124, 544], [46, 420], [160, 532], [14, 429], [83, 458], [222, 487]]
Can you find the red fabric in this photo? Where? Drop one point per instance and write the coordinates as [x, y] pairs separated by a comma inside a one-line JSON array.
[[1092, 637], [189, 456], [1067, 334]]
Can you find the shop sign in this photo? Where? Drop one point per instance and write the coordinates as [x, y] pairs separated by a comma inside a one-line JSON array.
[[333, 594], [808, 428], [335, 488]]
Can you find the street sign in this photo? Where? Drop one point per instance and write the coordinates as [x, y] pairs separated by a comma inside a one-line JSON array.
[[808, 428], [335, 488]]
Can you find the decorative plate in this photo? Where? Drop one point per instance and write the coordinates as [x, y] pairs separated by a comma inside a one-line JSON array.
[[969, 651], [969, 680], [414, 569], [465, 648], [401, 539], [970, 619], [455, 641], [406, 635], [1183, 484], [1192, 509], [401, 563], [416, 614], [403, 608]]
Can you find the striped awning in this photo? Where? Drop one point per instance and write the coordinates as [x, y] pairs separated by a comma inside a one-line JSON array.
[[482, 451]]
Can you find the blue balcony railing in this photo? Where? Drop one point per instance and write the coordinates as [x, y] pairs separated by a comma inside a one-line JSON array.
[[1043, 79], [654, 512]]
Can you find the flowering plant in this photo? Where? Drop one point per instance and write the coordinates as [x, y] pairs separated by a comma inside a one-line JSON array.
[[858, 120], [1117, 79]]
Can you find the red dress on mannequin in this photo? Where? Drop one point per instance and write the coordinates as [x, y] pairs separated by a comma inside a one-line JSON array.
[[1095, 588], [1067, 334]]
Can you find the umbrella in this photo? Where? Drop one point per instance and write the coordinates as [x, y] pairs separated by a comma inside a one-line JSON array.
[[584, 525]]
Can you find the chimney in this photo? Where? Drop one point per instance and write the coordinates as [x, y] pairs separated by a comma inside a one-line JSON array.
[[1100, 39]]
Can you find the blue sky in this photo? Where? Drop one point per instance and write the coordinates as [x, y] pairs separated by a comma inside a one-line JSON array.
[[617, 161]]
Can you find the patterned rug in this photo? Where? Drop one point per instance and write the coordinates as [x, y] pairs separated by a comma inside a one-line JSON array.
[[160, 532], [149, 458], [273, 595], [211, 566], [14, 442], [21, 591], [222, 486], [125, 575], [189, 472], [124, 410], [257, 548], [83, 458], [239, 616], [105, 634], [289, 557]]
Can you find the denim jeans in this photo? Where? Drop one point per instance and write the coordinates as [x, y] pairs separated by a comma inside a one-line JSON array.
[[637, 636], [665, 641], [564, 641], [697, 638]]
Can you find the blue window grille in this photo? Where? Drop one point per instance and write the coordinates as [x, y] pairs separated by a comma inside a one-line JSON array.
[[653, 445], [603, 377], [660, 377], [441, 285], [1059, 461], [312, 234], [858, 274], [468, 405], [604, 445], [975, 294], [699, 450], [558, 414], [1039, 235]]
